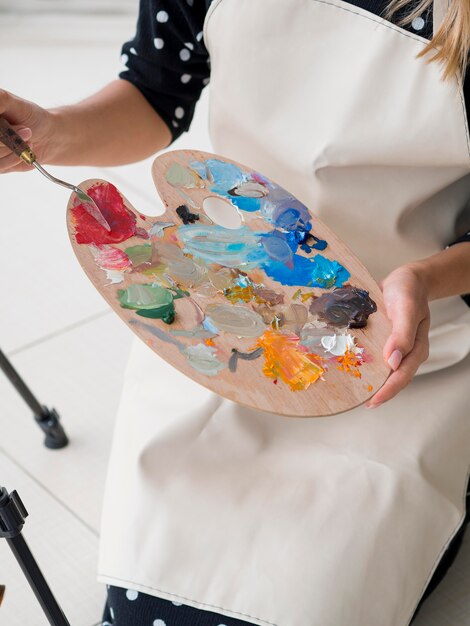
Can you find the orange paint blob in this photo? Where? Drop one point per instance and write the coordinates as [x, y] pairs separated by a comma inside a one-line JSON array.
[[350, 363], [285, 359], [369, 388]]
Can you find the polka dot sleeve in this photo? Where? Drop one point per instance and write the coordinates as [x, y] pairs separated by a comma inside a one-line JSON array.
[[167, 59]]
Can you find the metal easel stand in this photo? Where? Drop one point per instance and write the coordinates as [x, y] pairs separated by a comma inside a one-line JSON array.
[[12, 515], [47, 419], [12, 509]]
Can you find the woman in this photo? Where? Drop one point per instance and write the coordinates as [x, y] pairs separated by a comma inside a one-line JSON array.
[[216, 515]]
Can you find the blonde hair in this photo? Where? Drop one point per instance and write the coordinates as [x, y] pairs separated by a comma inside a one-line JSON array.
[[450, 44]]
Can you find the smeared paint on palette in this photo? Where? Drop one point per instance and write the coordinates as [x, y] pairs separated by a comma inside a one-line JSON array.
[[276, 314]]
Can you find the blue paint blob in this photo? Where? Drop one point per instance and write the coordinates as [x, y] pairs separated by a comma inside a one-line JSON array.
[[328, 274], [307, 272], [249, 205], [243, 248]]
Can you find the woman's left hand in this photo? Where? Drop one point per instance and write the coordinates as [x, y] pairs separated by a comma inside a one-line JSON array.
[[406, 302]]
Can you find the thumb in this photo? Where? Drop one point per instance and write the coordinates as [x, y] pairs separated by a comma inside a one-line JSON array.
[[402, 339]]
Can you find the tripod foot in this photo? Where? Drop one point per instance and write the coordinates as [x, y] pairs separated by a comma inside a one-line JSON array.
[[49, 422]]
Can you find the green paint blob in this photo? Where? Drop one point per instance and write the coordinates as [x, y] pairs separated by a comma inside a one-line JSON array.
[[151, 300], [165, 313], [139, 254], [144, 296], [183, 177]]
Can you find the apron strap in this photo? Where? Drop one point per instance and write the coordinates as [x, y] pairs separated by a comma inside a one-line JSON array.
[[439, 11]]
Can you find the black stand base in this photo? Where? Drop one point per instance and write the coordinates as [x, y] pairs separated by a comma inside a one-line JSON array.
[[47, 419], [12, 516]]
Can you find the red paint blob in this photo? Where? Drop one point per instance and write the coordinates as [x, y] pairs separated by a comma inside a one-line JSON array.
[[121, 220]]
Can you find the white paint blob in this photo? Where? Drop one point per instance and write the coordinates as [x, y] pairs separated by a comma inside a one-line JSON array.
[[189, 45], [185, 54], [132, 595], [179, 113], [222, 212], [114, 276], [185, 78], [158, 43], [159, 622], [338, 345], [177, 603]]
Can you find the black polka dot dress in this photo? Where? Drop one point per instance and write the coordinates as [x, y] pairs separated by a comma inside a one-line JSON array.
[[169, 63]]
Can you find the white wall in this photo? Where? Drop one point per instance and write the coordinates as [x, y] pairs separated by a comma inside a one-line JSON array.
[[69, 6]]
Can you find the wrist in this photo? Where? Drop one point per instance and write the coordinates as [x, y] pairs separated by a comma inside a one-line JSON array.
[[424, 277], [63, 138]]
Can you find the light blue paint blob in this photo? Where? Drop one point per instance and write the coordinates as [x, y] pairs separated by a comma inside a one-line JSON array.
[[277, 248], [209, 325], [203, 359], [232, 247], [225, 175], [200, 168]]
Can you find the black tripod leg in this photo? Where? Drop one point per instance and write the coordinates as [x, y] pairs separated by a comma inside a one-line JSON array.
[[12, 515], [47, 419]]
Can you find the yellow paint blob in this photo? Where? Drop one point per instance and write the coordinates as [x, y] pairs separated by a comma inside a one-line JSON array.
[[284, 359]]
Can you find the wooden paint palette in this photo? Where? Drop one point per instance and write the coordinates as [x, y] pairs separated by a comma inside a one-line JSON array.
[[238, 286]]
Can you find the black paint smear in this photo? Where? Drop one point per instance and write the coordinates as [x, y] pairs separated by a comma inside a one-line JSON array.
[[348, 306], [186, 216], [246, 356]]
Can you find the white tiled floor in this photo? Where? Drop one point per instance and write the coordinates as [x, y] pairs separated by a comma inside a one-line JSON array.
[[70, 348]]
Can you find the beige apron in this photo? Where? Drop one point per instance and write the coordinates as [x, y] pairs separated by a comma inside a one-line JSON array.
[[336, 521]]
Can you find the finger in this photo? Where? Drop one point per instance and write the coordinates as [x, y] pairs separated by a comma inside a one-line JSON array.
[[22, 167], [25, 134], [7, 158], [405, 318], [16, 110], [9, 161], [399, 379]]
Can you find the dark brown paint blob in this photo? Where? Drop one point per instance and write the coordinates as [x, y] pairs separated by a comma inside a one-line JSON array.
[[347, 306]]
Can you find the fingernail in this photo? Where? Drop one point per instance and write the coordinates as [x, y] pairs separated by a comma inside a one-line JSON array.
[[25, 133], [372, 405], [395, 359]]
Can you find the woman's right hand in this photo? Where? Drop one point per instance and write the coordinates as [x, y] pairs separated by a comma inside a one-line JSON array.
[[34, 124]]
